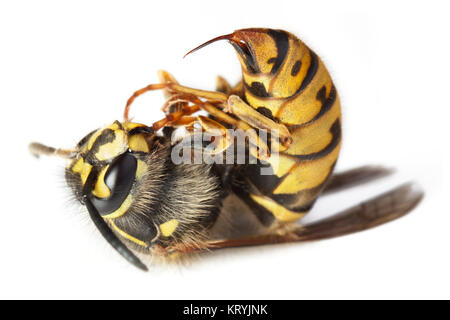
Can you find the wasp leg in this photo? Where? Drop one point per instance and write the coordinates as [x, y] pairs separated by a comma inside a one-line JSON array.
[[213, 96], [38, 149], [368, 214], [166, 77], [263, 150], [248, 114], [238, 89], [139, 92], [355, 177], [184, 121], [222, 85], [177, 101], [174, 117], [221, 139], [235, 104], [174, 88]]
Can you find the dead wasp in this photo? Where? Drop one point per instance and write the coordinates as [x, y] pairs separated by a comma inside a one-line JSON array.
[[139, 198]]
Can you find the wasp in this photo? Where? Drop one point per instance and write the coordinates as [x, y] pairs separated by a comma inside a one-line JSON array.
[[141, 200]]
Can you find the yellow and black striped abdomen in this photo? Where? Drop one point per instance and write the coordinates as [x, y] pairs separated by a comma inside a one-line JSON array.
[[287, 81]]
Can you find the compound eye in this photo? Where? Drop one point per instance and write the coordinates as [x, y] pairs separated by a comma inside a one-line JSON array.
[[119, 178]]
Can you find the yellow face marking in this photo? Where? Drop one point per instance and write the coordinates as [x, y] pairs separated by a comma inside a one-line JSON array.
[[93, 138], [141, 169], [100, 189], [169, 227], [83, 169], [112, 149], [280, 213], [122, 209], [127, 236], [138, 143], [114, 126]]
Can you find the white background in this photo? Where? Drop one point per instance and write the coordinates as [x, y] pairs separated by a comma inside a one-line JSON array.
[[68, 67]]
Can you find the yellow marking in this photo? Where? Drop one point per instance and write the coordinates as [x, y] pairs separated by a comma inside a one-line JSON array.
[[100, 189], [114, 148], [284, 84], [299, 108], [131, 125], [263, 47], [127, 236], [263, 78], [304, 106], [271, 103], [122, 209], [138, 143], [93, 138], [315, 136], [113, 126], [308, 174], [280, 213], [245, 112], [167, 228], [281, 164], [141, 169], [83, 168]]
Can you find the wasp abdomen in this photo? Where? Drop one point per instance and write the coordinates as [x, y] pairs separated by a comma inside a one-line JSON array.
[[289, 82]]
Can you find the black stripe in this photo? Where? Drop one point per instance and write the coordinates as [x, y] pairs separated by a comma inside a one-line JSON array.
[[257, 89], [267, 183], [310, 74], [139, 226], [85, 139], [327, 103], [266, 112], [288, 200], [281, 39], [264, 183], [243, 51], [335, 130], [105, 137], [304, 208], [139, 130], [262, 214], [296, 68]]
